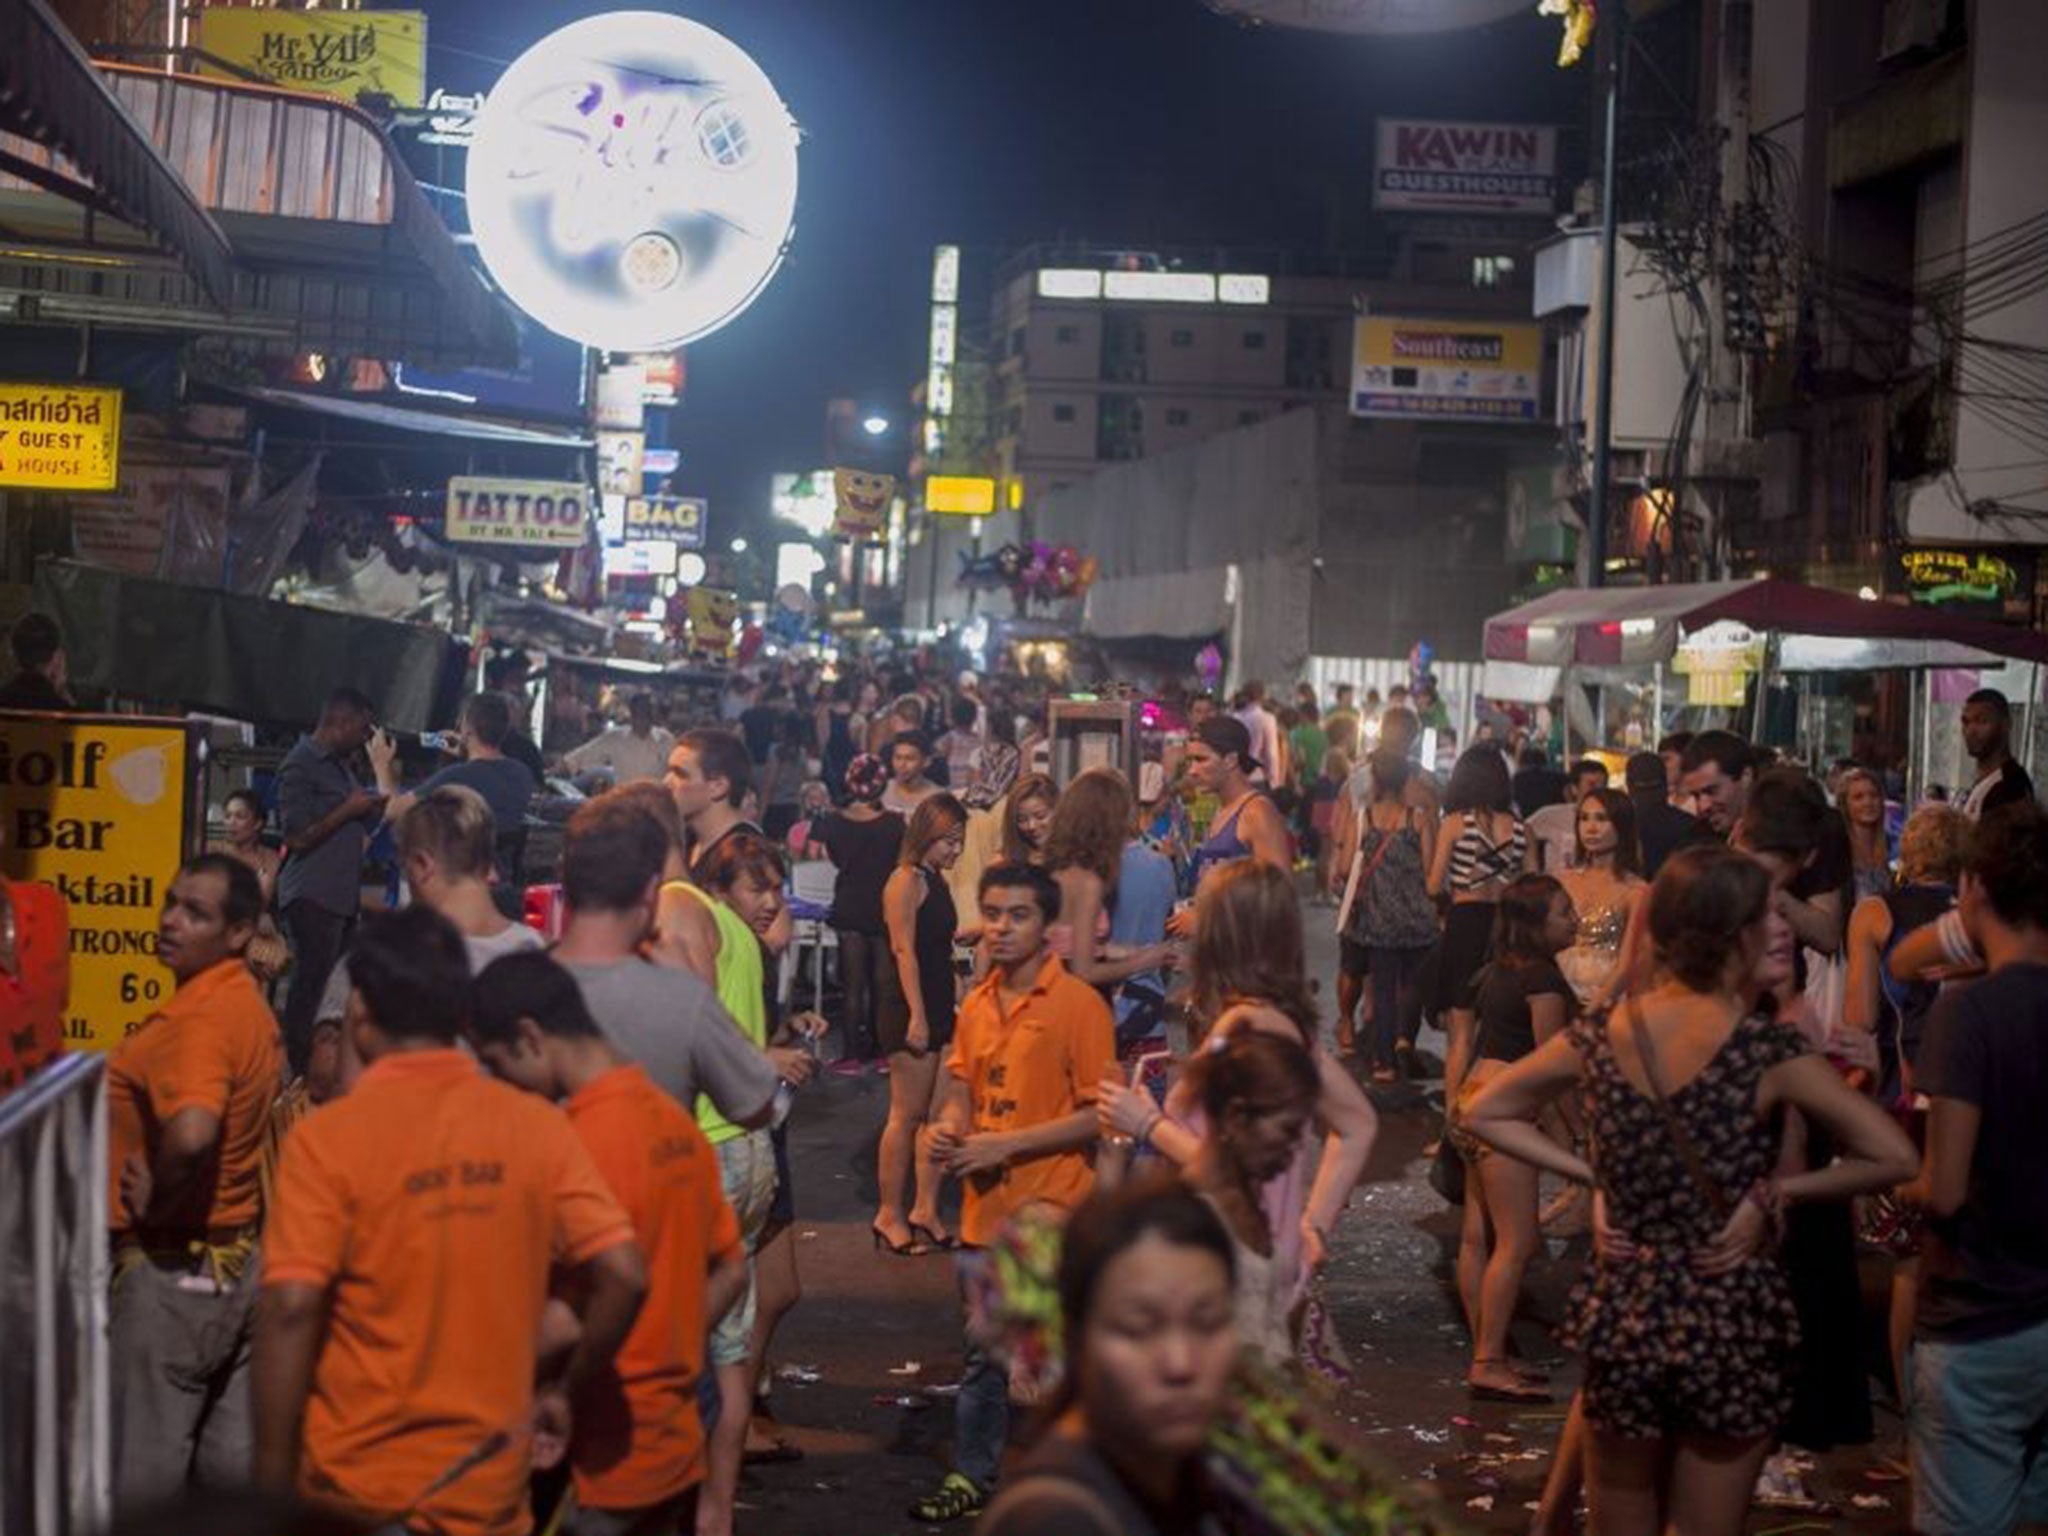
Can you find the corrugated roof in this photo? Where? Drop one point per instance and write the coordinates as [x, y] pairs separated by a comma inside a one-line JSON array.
[[51, 93], [400, 418]]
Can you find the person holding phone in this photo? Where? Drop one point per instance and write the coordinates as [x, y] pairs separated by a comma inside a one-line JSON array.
[[327, 817]]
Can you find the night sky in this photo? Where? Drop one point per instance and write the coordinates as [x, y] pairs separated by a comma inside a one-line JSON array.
[[995, 123]]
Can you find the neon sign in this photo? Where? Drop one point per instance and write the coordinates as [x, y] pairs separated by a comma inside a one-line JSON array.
[[633, 181]]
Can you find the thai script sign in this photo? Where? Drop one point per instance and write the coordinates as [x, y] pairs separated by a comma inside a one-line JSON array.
[[60, 437]]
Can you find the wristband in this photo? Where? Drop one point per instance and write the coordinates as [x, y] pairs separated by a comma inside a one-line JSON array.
[[1151, 1125]]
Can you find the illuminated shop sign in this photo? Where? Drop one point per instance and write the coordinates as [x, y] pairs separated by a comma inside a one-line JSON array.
[[340, 53], [1439, 167], [1155, 287], [1990, 581], [633, 181], [60, 437]]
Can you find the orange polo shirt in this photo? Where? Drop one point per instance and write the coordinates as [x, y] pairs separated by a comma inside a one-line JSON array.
[[214, 1047], [430, 1204], [1041, 1061], [639, 1438]]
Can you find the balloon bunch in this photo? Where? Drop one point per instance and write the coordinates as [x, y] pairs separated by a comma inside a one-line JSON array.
[[1041, 573], [1209, 666]]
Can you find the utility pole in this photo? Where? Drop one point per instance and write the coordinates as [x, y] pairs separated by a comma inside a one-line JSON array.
[[1603, 396]]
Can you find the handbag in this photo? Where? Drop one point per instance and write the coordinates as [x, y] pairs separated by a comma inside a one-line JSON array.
[[1358, 891]]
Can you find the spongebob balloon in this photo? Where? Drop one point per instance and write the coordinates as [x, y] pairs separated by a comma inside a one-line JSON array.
[[862, 497]]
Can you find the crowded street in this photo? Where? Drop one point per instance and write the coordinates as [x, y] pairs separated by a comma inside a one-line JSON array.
[[872, 1429], [1032, 768]]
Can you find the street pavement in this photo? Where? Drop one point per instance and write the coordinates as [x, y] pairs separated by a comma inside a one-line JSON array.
[[863, 1361]]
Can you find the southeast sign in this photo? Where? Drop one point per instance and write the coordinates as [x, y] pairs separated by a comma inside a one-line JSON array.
[[60, 437], [517, 514], [1427, 166], [1459, 369]]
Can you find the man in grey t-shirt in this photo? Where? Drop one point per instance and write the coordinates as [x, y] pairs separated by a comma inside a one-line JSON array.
[[666, 1019], [675, 1027]]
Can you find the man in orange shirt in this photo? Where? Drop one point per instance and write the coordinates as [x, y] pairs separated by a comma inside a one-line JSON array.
[[1016, 1122], [637, 1449], [417, 1221], [188, 1106]]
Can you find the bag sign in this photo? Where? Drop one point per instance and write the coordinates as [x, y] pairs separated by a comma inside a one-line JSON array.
[[678, 519]]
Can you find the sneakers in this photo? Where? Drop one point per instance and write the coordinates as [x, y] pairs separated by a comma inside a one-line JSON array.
[[959, 1497]]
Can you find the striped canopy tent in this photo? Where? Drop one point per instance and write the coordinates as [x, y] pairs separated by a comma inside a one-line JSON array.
[[1815, 630]]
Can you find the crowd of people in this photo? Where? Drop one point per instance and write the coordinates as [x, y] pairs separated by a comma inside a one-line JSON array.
[[1724, 998]]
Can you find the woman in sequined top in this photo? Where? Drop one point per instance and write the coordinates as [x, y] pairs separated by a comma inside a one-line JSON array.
[[1605, 884]]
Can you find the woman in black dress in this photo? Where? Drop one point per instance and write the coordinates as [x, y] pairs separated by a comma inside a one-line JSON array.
[[914, 1021], [1522, 1000], [1686, 1322], [862, 842]]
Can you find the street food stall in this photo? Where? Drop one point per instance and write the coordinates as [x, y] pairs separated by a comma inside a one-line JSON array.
[[1746, 653]]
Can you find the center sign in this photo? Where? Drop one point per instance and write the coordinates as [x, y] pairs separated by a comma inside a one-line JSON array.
[[633, 181]]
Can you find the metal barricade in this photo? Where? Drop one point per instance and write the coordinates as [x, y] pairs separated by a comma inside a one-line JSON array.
[[55, 1404]]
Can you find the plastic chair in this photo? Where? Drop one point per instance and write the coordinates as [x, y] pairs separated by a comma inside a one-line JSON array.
[[812, 883]]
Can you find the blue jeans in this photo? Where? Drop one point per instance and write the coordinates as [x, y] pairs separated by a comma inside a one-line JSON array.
[[1977, 1419], [1396, 999], [981, 1416]]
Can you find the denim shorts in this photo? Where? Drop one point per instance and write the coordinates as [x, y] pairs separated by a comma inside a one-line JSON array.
[[1977, 1417]]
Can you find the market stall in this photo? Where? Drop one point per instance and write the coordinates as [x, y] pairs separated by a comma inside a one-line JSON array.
[[1730, 643]]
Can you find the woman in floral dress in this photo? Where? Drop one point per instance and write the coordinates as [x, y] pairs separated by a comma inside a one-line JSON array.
[[1686, 1323]]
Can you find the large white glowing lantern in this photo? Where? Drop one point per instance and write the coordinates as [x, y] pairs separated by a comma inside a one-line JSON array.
[[633, 181]]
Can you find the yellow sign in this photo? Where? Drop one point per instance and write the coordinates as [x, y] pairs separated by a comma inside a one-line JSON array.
[[960, 495], [60, 437], [98, 806], [1479, 370], [332, 53], [529, 514]]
